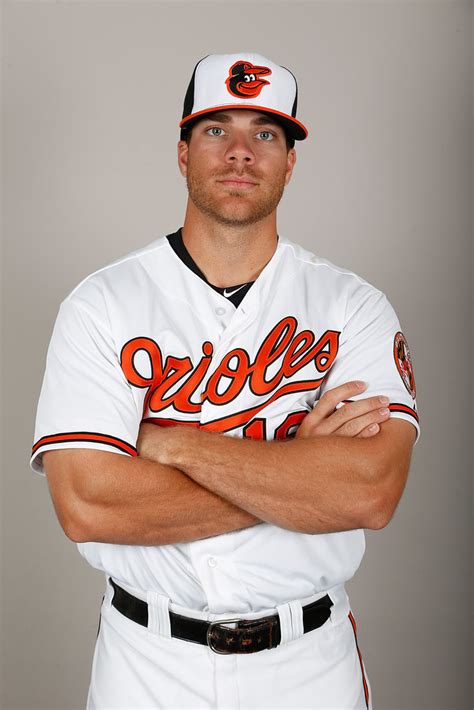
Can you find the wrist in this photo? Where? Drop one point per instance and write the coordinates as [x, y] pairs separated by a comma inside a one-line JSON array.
[[180, 440], [163, 444]]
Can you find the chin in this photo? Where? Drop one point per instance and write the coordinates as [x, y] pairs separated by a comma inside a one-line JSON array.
[[235, 208], [239, 220], [238, 215]]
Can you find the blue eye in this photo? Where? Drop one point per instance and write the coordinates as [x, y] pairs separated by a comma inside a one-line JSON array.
[[269, 136], [214, 128]]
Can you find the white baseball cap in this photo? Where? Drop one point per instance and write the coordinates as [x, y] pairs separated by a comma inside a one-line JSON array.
[[243, 80]]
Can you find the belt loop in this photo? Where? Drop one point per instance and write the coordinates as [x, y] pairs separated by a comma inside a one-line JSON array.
[[291, 620], [158, 614]]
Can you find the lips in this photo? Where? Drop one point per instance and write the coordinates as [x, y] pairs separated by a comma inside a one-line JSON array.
[[243, 181], [239, 186], [237, 182]]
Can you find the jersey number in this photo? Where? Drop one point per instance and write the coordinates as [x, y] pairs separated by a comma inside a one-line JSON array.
[[257, 428]]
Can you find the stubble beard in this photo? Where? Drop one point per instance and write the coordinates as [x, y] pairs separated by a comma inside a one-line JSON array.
[[234, 215]]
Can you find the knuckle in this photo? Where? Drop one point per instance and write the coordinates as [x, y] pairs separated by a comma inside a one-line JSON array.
[[328, 395], [340, 413], [369, 419], [366, 405], [311, 433], [351, 428]]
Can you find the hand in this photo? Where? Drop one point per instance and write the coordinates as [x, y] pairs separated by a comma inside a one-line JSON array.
[[352, 419]]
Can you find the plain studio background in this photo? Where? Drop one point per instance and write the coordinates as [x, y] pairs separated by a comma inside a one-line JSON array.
[[92, 95]]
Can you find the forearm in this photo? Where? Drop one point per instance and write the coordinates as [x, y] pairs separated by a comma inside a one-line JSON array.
[[135, 501], [318, 485]]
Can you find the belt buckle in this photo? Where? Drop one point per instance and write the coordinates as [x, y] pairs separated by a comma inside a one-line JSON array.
[[209, 630]]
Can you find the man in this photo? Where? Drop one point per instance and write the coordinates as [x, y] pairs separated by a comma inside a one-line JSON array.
[[214, 428]]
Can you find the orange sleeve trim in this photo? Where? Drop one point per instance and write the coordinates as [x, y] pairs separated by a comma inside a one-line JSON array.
[[364, 680], [91, 436], [398, 407]]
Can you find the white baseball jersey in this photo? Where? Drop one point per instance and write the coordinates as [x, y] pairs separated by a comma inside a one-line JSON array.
[[147, 338]]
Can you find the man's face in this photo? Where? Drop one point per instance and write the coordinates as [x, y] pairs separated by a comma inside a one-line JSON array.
[[236, 166]]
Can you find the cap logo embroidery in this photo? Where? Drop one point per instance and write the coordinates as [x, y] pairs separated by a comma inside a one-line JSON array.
[[245, 79]]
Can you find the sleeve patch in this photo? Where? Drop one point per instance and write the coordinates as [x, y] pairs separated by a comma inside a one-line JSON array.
[[401, 354]]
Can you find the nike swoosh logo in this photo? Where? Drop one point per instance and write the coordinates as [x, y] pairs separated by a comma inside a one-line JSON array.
[[228, 293]]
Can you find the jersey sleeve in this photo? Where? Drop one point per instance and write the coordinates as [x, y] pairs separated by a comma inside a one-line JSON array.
[[85, 400], [373, 348]]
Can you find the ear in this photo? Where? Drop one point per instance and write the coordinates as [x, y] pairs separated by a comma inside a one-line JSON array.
[[183, 157], [290, 164]]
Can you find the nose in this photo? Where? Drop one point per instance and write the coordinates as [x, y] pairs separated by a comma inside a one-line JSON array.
[[239, 151]]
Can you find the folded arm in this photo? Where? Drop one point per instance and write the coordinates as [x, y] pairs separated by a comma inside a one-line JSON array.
[[314, 485], [337, 474], [299, 484], [105, 497]]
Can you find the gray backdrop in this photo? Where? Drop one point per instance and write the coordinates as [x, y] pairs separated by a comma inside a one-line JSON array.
[[92, 94]]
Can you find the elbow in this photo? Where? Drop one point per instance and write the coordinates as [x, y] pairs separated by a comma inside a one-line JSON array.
[[84, 522], [76, 531], [75, 534], [379, 519], [384, 504], [74, 525], [70, 512]]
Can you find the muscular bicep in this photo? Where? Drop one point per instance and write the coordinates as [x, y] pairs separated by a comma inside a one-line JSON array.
[[392, 450], [72, 475]]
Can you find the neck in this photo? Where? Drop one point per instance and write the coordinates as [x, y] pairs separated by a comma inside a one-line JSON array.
[[229, 255]]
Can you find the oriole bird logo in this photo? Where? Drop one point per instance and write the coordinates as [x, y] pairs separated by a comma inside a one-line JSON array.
[[245, 79], [403, 361]]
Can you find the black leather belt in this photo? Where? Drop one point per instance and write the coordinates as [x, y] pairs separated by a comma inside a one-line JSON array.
[[249, 636]]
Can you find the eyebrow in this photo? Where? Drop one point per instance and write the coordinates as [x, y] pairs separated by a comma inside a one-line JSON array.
[[225, 118]]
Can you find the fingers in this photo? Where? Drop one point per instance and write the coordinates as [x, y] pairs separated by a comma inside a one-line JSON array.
[[361, 425], [332, 415], [329, 417], [352, 418], [357, 426], [369, 431], [331, 398]]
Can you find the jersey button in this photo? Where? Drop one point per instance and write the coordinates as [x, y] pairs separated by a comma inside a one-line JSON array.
[[212, 562], [220, 311]]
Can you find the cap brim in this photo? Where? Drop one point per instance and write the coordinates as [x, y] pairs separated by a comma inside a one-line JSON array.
[[294, 128]]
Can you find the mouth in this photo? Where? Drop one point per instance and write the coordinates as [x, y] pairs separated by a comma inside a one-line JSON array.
[[243, 184]]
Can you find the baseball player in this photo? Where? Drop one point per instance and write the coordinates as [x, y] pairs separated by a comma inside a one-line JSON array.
[[222, 414]]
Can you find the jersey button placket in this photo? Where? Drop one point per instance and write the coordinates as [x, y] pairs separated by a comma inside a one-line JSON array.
[[234, 322]]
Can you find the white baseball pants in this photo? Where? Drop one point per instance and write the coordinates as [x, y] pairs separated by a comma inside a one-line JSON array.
[[134, 667]]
